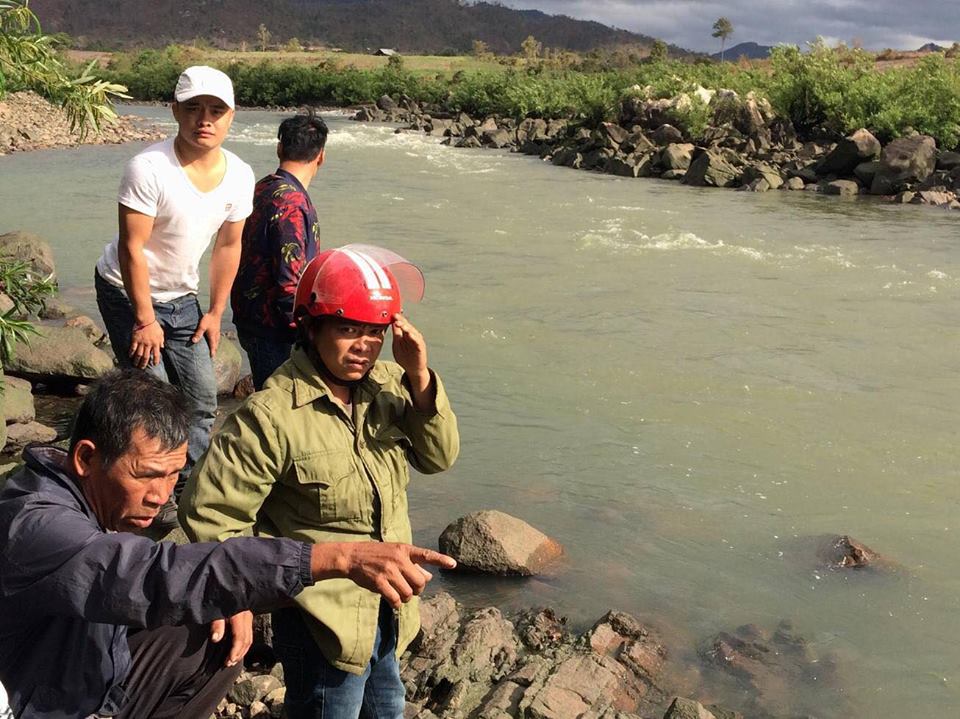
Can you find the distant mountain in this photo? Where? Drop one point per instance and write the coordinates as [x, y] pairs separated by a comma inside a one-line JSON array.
[[931, 47], [745, 49], [410, 26]]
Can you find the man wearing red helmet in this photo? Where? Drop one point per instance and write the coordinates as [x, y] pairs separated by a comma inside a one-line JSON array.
[[323, 452]]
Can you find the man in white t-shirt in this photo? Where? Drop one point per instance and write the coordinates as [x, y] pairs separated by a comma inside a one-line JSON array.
[[174, 197]]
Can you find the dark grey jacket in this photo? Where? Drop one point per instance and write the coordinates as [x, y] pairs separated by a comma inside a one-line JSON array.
[[69, 590]]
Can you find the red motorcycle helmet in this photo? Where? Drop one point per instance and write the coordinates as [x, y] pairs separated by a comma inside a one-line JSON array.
[[363, 283]]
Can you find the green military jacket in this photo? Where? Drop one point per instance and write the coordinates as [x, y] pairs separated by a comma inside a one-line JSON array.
[[291, 462]]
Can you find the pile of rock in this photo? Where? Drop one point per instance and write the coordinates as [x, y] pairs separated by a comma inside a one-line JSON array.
[[745, 146], [30, 122], [483, 664]]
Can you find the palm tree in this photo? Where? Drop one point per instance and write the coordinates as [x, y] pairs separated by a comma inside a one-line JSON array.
[[722, 29]]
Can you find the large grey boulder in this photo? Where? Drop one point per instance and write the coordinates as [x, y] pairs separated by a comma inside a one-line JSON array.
[[29, 248], [496, 543], [861, 146], [17, 401], [633, 165], [746, 115], [612, 135], [636, 142], [59, 354], [666, 134], [676, 156], [20, 435], [762, 171], [866, 171], [904, 161], [88, 326], [844, 188], [948, 161], [226, 365], [387, 104], [532, 130], [56, 309], [710, 169], [497, 138]]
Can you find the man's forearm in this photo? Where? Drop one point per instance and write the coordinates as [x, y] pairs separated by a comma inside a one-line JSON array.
[[136, 282], [223, 270]]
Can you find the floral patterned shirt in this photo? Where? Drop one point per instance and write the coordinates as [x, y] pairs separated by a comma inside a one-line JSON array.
[[279, 239]]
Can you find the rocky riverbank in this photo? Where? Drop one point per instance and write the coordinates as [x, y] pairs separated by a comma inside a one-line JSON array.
[[29, 122], [745, 145], [481, 662], [68, 352]]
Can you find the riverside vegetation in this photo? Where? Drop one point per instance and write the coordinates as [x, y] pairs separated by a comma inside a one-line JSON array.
[[824, 90], [803, 121]]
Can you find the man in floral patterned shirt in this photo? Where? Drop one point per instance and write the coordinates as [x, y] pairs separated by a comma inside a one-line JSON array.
[[279, 239]]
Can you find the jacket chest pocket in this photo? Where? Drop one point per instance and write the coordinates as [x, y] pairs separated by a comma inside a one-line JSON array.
[[339, 492]]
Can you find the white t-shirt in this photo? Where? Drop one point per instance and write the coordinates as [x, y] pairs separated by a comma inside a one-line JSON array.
[[185, 219]]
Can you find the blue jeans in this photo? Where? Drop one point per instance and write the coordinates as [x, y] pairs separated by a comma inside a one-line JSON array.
[[318, 690], [186, 365], [265, 355]]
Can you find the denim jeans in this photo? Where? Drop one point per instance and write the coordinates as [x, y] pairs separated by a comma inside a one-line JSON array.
[[318, 690], [265, 355], [186, 365]]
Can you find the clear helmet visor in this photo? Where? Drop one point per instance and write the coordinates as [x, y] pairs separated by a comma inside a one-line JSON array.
[[401, 277]]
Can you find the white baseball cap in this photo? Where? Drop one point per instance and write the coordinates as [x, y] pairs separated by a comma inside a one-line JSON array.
[[204, 80]]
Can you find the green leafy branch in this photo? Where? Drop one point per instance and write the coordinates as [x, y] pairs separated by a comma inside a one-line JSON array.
[[29, 59]]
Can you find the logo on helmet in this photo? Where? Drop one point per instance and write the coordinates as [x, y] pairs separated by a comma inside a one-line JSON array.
[[377, 296]]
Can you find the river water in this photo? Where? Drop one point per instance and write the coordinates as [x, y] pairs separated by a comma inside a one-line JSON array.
[[683, 386]]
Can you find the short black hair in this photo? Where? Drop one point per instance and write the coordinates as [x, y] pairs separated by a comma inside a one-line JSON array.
[[121, 402], [302, 137]]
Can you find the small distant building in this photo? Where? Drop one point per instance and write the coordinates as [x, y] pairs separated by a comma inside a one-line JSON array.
[[386, 52]]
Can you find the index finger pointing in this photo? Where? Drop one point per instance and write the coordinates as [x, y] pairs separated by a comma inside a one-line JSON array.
[[428, 556]]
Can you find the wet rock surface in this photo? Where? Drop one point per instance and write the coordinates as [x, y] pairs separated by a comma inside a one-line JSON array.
[[845, 552], [29, 122]]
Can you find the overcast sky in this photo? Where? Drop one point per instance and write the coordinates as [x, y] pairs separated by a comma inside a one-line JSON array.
[[877, 24]]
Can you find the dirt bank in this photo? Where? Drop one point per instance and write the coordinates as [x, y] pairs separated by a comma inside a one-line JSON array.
[[29, 122]]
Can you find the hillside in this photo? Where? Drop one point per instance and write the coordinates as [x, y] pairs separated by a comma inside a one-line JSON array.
[[750, 50], [412, 26]]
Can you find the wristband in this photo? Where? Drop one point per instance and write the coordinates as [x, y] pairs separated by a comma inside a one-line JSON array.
[[137, 328]]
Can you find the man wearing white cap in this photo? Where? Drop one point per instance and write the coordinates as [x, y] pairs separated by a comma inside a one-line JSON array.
[[174, 197]]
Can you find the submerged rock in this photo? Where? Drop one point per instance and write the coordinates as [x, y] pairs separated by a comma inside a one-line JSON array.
[[496, 543], [771, 666], [845, 552]]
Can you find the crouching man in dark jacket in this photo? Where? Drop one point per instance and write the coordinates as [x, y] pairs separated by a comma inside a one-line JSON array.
[[96, 621]]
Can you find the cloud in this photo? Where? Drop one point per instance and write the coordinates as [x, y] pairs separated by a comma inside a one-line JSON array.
[[875, 24]]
